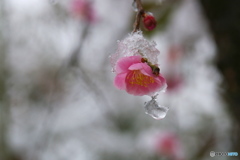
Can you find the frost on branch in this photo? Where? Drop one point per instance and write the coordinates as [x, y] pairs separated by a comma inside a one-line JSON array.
[[135, 44]]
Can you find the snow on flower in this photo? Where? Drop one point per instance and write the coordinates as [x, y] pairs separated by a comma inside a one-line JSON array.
[[135, 63], [83, 9], [135, 44]]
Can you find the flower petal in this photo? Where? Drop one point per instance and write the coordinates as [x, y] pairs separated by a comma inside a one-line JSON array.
[[143, 67], [119, 81], [155, 87], [163, 82], [124, 63], [137, 90], [140, 84]]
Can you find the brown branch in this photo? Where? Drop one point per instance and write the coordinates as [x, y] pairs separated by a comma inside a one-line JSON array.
[[139, 15]]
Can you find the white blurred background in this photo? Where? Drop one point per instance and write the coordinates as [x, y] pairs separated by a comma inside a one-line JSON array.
[[58, 101]]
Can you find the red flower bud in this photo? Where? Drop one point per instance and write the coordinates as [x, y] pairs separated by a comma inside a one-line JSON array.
[[149, 21]]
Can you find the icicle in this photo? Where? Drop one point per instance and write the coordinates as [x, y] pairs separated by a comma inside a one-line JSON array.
[[155, 110], [134, 6]]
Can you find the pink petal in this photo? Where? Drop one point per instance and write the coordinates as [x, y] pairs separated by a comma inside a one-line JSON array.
[[161, 78], [137, 90], [136, 77], [83, 9], [162, 82], [124, 63], [143, 67], [119, 81], [149, 85], [169, 145], [154, 87]]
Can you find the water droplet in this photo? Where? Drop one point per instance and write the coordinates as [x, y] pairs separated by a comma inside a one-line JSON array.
[[154, 96], [155, 110], [134, 5]]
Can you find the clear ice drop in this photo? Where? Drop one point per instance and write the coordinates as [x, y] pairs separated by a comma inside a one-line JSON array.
[[134, 6], [155, 110]]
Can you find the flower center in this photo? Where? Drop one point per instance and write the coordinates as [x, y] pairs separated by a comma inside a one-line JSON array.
[[136, 77]]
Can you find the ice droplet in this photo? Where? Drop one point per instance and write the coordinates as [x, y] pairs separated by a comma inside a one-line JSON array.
[[134, 6], [155, 110]]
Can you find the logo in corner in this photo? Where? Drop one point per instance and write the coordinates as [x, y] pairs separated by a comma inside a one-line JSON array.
[[212, 153]]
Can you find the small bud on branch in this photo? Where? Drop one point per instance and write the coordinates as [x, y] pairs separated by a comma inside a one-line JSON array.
[[148, 19]]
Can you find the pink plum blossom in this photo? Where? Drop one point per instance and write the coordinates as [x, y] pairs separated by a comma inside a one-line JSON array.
[[175, 81], [83, 9], [175, 53], [137, 77], [174, 75], [168, 144]]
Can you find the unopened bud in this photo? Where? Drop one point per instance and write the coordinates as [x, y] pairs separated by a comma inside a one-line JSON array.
[[149, 21]]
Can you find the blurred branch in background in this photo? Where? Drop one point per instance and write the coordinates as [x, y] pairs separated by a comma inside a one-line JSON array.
[[223, 17], [84, 9], [4, 107], [75, 56]]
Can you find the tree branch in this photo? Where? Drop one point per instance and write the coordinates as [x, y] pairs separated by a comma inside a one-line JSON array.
[[138, 16]]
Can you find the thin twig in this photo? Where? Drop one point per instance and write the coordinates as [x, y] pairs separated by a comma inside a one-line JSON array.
[[74, 59], [138, 16]]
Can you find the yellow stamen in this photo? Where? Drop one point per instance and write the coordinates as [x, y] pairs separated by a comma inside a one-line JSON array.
[[137, 78]]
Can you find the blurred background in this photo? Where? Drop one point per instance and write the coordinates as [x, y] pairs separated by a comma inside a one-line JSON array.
[[58, 102]]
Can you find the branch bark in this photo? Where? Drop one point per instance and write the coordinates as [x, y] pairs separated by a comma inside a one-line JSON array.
[[138, 16]]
